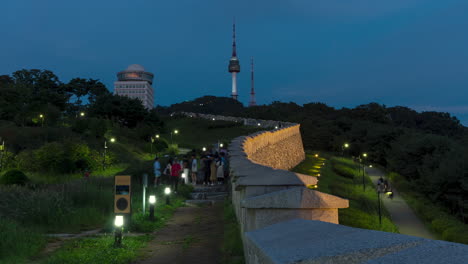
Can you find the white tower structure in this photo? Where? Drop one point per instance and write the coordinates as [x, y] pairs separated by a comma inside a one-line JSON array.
[[135, 82], [234, 66]]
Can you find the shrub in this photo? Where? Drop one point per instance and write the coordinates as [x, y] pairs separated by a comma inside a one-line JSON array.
[[14, 177]]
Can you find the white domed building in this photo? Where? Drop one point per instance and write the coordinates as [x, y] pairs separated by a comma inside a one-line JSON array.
[[135, 82]]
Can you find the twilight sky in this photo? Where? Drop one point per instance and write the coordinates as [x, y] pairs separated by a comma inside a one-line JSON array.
[[343, 53]]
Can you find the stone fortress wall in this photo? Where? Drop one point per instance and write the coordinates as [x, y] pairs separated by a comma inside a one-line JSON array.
[[282, 221]]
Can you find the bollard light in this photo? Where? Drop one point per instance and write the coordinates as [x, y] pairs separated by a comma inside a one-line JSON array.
[[258, 124], [82, 114], [167, 191], [370, 166], [152, 199], [214, 119], [204, 149], [316, 155], [157, 136], [119, 221], [112, 140], [276, 127], [221, 145]]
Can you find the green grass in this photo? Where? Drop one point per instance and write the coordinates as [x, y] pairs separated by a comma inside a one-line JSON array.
[[195, 133], [440, 222], [363, 206], [99, 250], [17, 243], [232, 249]]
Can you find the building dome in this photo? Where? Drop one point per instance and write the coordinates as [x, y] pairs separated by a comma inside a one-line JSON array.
[[135, 72], [135, 67]]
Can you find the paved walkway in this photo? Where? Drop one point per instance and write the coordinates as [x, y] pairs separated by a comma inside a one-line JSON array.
[[402, 215], [193, 235]]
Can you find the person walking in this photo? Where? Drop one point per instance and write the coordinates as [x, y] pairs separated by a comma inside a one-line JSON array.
[[157, 172], [194, 169], [213, 175], [175, 174]]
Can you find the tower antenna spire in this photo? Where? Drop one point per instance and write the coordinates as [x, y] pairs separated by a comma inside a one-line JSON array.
[[234, 53], [252, 89]]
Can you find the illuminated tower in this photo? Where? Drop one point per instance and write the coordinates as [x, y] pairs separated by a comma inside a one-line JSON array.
[[234, 66], [252, 89]]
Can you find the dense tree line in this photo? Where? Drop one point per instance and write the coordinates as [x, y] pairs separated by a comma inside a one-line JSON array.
[[428, 148], [52, 125]]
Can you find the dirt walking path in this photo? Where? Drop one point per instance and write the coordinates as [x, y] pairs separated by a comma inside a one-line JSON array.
[[193, 235], [402, 215]]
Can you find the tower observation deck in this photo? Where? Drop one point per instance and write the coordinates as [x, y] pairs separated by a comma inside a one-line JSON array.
[[234, 66]]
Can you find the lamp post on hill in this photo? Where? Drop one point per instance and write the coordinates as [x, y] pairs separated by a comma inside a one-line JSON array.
[[343, 147], [378, 200], [112, 140], [364, 155], [174, 132], [41, 116]]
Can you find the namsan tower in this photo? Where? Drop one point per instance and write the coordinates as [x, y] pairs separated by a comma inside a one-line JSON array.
[[234, 66], [252, 89]]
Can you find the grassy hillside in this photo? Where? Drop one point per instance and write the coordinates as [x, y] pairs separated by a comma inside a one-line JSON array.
[[341, 177]]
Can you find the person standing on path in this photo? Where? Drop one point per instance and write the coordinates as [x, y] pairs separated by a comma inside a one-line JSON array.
[[157, 172], [194, 169], [220, 170], [167, 172], [207, 163], [175, 174], [213, 175]]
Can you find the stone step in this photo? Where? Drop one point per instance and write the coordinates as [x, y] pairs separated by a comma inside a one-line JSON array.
[[215, 188], [217, 197], [207, 195], [199, 202]]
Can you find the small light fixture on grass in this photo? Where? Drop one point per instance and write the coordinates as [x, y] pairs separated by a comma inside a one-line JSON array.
[[82, 114], [221, 145], [276, 127], [370, 166], [167, 192], [204, 149], [157, 136], [214, 119], [316, 155], [152, 201], [118, 222], [258, 124]]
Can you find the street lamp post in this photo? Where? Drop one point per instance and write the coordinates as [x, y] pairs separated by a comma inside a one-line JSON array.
[[105, 153], [41, 116], [174, 132], [345, 146], [378, 199], [363, 171]]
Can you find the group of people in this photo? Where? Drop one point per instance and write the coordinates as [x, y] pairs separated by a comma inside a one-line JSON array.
[[210, 169]]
